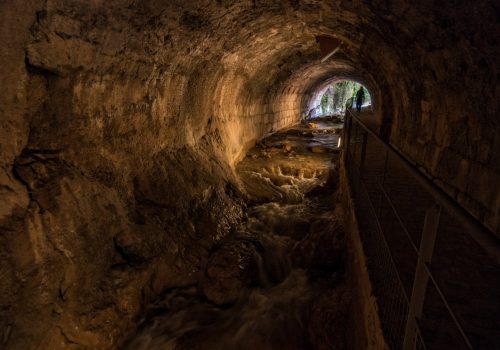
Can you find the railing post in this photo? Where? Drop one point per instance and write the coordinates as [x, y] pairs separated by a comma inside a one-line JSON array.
[[429, 233]]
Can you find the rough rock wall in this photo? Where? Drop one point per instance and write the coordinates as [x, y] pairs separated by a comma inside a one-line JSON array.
[[446, 96], [121, 121], [433, 72], [120, 126]]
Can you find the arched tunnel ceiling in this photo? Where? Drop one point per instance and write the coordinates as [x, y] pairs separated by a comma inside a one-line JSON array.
[[184, 64], [124, 119], [237, 59], [272, 42], [279, 49]]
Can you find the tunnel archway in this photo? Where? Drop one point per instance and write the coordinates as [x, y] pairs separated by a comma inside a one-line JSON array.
[[334, 96], [122, 120]]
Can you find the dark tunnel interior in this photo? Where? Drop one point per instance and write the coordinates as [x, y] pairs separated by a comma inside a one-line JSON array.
[[126, 127]]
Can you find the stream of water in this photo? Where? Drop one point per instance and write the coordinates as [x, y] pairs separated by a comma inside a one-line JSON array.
[[266, 284]]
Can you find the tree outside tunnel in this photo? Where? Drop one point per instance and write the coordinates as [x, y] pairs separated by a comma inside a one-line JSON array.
[[335, 97]]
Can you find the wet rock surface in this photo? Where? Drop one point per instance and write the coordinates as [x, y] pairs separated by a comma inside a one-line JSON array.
[[270, 283], [293, 171], [122, 120], [231, 268], [322, 248]]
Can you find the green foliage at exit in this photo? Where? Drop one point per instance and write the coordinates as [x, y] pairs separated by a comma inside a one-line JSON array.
[[339, 94]]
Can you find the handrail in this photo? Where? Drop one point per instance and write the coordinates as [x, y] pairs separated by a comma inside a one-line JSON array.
[[485, 238], [391, 258]]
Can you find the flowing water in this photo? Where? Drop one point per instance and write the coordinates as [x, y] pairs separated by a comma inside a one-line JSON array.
[[276, 282]]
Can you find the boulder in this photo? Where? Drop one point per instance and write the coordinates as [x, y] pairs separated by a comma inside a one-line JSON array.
[[322, 248], [319, 149], [229, 272]]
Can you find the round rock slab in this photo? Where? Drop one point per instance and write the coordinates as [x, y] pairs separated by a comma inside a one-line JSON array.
[[322, 248], [229, 271], [319, 149]]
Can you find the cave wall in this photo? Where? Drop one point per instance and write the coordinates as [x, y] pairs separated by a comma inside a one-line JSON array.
[[122, 120], [441, 94], [120, 129], [433, 72]]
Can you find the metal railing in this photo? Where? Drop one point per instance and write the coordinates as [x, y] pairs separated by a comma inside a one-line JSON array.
[[429, 260]]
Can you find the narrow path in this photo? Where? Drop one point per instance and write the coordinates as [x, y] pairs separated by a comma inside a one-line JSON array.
[[278, 281], [467, 276]]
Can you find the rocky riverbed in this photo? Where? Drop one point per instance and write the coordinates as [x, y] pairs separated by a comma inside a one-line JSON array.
[[278, 280]]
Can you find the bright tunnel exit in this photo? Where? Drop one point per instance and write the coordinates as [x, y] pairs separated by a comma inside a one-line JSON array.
[[333, 98]]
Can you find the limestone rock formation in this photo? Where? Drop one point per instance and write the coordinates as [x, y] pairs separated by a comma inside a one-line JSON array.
[[122, 121], [322, 248], [230, 269]]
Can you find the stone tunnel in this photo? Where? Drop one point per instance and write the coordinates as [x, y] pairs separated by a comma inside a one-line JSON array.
[[123, 121]]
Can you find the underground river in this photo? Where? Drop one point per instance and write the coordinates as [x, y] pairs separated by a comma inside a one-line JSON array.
[[278, 281]]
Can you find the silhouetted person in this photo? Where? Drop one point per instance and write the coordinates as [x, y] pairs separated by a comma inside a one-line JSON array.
[[360, 96]]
